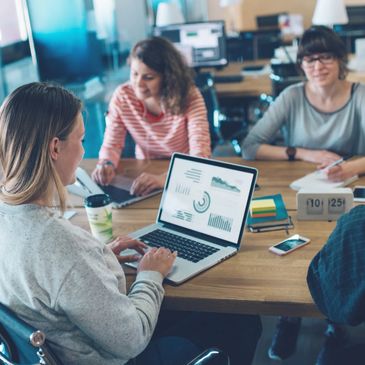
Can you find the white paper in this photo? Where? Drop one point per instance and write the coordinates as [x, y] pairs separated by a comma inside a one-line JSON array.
[[319, 180], [84, 185], [69, 214]]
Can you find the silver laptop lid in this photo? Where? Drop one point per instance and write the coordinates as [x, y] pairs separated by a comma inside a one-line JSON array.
[[207, 198]]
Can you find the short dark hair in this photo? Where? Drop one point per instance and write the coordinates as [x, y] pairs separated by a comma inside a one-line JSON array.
[[321, 39], [160, 55]]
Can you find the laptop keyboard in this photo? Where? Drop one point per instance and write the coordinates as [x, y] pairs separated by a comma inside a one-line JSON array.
[[186, 248]]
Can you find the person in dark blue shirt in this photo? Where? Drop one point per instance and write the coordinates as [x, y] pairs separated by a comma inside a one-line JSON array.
[[336, 280]]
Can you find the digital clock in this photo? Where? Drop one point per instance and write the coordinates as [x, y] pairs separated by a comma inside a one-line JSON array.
[[323, 205]]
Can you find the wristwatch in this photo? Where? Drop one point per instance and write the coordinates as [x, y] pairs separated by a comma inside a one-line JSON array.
[[105, 163], [291, 152]]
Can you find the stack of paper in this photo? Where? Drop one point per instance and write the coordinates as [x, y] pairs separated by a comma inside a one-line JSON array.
[[263, 208]]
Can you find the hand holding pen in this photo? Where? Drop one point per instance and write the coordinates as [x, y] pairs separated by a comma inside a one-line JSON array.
[[331, 170], [340, 170], [333, 164], [328, 163]]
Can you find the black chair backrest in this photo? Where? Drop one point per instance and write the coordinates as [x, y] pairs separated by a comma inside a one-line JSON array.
[[205, 83], [21, 343], [284, 75]]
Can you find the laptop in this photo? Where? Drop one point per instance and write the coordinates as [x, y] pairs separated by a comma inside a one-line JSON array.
[[202, 213], [118, 190]]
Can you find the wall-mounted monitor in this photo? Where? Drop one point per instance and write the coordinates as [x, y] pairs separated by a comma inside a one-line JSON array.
[[203, 44]]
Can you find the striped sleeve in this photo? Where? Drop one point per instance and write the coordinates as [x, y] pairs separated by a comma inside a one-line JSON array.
[[198, 127], [115, 131]]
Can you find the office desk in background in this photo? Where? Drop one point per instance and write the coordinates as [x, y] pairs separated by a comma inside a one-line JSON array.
[[250, 86], [356, 76], [254, 85], [254, 280]]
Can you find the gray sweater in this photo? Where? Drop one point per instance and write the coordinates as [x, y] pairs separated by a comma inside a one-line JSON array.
[[61, 280], [342, 131]]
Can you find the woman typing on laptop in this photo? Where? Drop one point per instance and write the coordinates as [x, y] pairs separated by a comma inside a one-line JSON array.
[[56, 276], [161, 109], [59, 278]]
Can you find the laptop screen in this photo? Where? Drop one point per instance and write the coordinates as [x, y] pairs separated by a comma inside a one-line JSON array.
[[207, 196]]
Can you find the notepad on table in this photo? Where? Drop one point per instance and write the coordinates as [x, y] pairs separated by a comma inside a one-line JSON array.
[[318, 179], [281, 220], [263, 208]]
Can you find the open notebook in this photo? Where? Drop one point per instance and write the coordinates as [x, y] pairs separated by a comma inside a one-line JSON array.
[[318, 179]]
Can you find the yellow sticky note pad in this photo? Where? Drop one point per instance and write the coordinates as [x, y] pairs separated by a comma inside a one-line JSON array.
[[263, 205]]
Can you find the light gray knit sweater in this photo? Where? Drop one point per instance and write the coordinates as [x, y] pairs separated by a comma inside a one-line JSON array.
[[59, 279]]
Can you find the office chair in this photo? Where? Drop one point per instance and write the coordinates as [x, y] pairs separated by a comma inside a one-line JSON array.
[[20, 343], [222, 128], [205, 83], [283, 75]]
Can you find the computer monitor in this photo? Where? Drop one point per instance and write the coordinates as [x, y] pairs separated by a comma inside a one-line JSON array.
[[203, 44], [356, 14], [62, 46]]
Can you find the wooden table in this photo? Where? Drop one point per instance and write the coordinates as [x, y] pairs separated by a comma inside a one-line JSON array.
[[273, 177], [253, 281]]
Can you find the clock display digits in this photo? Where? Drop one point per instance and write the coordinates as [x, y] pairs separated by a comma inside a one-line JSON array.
[[314, 206], [336, 205], [323, 205]]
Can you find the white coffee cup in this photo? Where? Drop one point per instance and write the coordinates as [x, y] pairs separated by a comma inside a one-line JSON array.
[[99, 212]]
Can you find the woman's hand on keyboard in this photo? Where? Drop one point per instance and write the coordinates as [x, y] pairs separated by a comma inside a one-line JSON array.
[[123, 243], [157, 259]]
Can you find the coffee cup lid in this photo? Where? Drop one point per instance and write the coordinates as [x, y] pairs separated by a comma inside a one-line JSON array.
[[97, 200]]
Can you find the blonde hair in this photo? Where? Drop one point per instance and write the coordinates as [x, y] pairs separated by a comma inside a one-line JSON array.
[[30, 117]]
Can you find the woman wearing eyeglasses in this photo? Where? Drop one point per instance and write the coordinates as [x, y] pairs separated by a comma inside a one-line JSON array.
[[321, 118]]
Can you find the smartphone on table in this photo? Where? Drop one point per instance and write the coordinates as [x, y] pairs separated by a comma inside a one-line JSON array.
[[288, 245], [359, 194]]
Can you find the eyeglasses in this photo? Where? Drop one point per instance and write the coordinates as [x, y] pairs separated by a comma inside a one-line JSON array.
[[324, 59]]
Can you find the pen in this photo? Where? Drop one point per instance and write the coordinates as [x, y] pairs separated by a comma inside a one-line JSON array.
[[83, 186], [333, 164]]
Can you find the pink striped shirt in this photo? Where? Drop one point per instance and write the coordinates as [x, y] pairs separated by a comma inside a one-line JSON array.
[[155, 136]]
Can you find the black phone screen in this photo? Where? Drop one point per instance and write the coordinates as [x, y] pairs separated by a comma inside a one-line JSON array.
[[359, 193]]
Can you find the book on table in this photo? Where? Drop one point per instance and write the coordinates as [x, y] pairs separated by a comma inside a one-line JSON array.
[[280, 221]]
